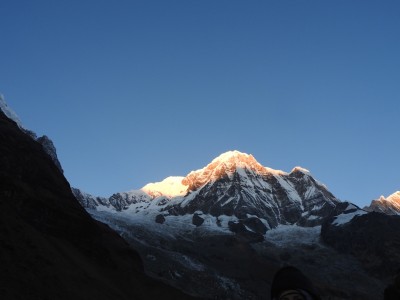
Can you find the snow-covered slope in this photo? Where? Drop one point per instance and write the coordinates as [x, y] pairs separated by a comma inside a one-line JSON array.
[[348, 214], [389, 205]]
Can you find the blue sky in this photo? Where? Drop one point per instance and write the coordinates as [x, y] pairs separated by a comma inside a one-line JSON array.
[[134, 91]]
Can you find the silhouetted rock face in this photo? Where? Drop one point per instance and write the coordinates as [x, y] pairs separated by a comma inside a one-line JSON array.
[[50, 149], [373, 238], [50, 248], [160, 219]]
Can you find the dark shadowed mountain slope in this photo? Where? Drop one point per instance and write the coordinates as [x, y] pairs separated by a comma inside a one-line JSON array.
[[373, 238], [50, 248]]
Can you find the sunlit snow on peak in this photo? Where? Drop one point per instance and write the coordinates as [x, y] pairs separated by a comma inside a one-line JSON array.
[[394, 198], [232, 155], [302, 170], [171, 187], [231, 160], [227, 164]]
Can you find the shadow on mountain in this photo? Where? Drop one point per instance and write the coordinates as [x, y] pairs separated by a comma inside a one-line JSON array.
[[372, 238], [50, 248]]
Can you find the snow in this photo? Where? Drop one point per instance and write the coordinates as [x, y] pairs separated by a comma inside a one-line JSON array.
[[138, 215], [9, 112], [289, 235], [302, 170], [345, 218], [229, 155], [170, 187], [290, 190], [228, 201], [103, 208], [394, 198], [226, 165], [351, 206], [310, 192]]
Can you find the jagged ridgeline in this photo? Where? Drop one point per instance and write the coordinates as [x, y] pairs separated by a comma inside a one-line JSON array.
[[233, 184]]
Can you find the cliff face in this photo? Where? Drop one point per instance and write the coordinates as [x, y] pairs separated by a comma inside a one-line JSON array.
[[50, 248]]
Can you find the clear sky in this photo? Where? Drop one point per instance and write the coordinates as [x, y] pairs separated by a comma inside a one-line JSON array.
[[134, 91]]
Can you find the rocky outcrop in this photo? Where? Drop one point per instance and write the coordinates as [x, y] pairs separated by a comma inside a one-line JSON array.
[[244, 233], [50, 149], [50, 248], [197, 220], [160, 219]]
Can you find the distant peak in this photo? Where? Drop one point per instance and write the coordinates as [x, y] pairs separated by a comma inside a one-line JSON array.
[[301, 170], [234, 157], [395, 197], [231, 154]]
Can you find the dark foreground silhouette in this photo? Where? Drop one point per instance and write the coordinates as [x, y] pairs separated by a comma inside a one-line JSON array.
[[392, 292], [291, 284], [50, 248]]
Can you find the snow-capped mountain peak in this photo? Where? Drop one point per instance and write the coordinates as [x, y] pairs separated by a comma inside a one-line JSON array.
[[170, 187], [389, 205], [301, 170], [227, 164]]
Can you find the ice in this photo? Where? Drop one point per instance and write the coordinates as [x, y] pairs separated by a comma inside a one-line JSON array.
[[290, 190], [287, 235], [345, 218]]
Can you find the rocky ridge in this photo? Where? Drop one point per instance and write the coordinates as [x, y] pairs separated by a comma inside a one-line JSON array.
[[389, 205]]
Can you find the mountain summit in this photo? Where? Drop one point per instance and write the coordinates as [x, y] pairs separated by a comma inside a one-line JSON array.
[[227, 164]]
